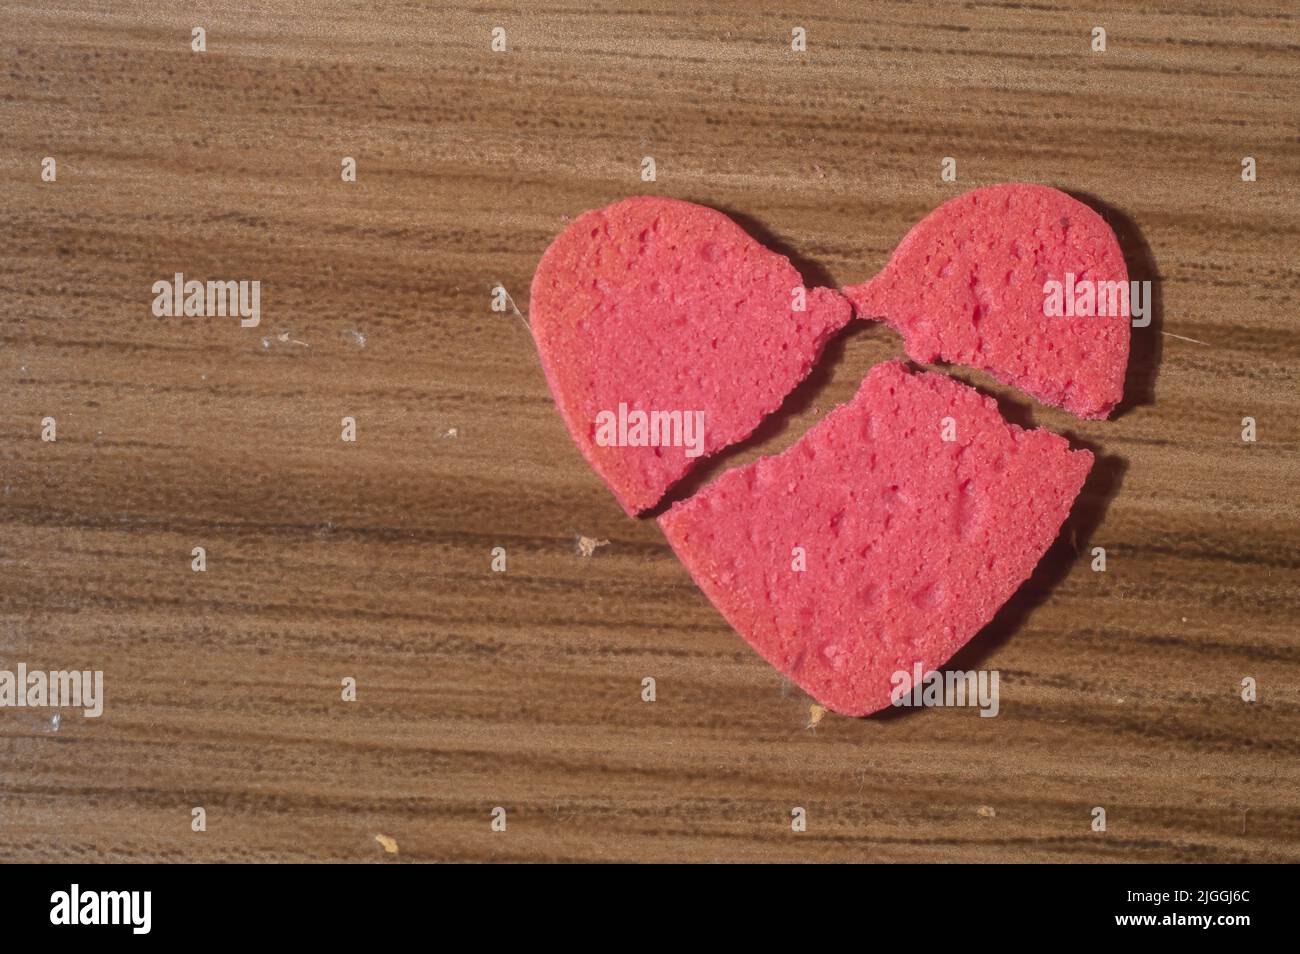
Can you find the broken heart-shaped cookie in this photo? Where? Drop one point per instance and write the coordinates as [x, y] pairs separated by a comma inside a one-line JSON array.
[[892, 531]]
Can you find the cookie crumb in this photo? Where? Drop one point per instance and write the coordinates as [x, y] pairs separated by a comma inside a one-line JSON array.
[[815, 714], [587, 545], [987, 811], [389, 844]]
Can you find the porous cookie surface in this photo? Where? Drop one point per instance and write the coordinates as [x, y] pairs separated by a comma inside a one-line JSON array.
[[668, 308], [909, 542], [969, 284]]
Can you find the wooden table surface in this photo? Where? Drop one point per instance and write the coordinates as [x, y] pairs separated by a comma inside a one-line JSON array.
[[371, 560]]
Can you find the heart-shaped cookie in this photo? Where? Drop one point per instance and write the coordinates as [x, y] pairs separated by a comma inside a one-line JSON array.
[[667, 334], [893, 530]]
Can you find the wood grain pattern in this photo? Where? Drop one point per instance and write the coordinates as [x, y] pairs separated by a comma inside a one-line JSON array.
[[521, 689]]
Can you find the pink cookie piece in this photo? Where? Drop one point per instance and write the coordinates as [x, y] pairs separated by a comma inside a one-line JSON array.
[[669, 307], [966, 285], [911, 542]]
